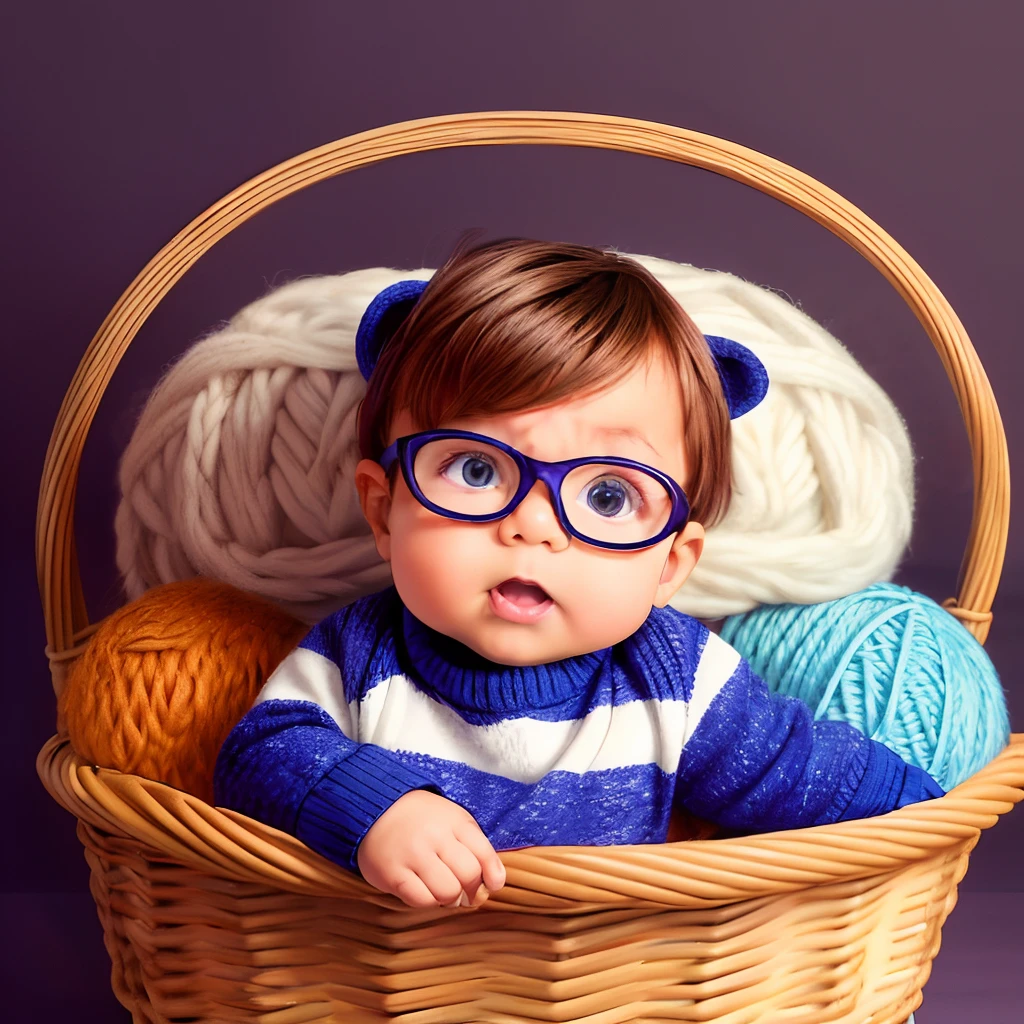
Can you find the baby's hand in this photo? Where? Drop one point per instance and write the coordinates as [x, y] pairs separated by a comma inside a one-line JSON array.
[[428, 851]]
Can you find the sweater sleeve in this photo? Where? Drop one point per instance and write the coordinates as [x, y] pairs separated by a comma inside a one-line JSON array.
[[757, 761], [292, 763]]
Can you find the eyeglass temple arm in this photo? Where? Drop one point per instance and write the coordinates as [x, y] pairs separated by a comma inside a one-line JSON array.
[[388, 457]]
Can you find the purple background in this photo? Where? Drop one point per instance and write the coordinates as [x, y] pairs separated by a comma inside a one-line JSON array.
[[123, 121]]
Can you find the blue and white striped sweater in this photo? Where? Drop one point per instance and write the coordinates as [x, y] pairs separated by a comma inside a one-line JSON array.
[[594, 750]]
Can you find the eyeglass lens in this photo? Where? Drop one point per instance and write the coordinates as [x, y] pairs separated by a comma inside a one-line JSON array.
[[607, 503]]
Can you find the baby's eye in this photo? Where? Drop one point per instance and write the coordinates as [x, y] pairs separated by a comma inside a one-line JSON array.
[[471, 469], [612, 497]]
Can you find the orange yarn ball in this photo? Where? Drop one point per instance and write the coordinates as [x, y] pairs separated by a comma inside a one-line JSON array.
[[165, 679]]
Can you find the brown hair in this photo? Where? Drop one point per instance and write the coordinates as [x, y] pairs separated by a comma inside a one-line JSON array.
[[517, 324]]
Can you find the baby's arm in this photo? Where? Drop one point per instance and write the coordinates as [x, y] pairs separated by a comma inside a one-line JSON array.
[[757, 761], [290, 764], [287, 763]]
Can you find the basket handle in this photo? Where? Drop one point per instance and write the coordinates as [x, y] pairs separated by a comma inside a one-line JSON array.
[[56, 559]]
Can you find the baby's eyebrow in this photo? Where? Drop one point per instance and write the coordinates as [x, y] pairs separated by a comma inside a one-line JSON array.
[[627, 432]]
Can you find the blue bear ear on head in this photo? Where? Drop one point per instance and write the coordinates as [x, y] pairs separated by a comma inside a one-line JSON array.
[[743, 376], [382, 319]]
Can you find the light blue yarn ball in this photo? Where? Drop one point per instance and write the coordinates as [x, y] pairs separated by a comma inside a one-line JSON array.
[[891, 662]]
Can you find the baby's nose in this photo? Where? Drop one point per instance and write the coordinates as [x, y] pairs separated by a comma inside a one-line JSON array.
[[534, 521]]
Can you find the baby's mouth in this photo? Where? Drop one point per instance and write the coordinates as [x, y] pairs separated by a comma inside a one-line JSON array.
[[520, 600]]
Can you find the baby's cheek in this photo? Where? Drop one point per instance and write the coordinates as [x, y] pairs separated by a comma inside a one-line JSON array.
[[614, 620], [434, 563], [616, 599]]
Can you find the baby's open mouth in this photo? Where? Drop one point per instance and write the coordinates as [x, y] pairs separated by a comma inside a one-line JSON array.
[[520, 601]]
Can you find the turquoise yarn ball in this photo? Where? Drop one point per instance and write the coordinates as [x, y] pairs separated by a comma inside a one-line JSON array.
[[891, 662]]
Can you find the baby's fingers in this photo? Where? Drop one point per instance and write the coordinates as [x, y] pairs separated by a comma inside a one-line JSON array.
[[492, 870], [464, 865], [439, 879], [411, 890]]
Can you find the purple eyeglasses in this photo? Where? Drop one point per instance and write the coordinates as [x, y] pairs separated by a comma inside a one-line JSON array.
[[609, 502]]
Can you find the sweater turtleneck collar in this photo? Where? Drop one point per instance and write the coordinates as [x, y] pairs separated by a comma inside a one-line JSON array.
[[467, 680]]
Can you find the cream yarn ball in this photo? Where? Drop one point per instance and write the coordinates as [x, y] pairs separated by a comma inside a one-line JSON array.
[[823, 473], [241, 465]]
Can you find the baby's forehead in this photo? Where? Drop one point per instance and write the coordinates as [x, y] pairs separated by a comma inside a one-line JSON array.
[[639, 416]]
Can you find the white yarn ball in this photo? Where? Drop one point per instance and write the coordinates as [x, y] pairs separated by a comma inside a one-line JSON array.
[[823, 473], [241, 466]]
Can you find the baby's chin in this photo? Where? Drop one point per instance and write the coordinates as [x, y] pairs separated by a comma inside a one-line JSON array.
[[523, 646]]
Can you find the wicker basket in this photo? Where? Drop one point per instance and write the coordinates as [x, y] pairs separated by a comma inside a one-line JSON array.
[[211, 916]]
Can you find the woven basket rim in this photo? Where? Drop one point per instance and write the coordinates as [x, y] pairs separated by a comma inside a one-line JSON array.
[[57, 564], [184, 829]]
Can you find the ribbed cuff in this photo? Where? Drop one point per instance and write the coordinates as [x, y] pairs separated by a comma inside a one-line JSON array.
[[888, 783], [340, 809], [841, 807], [919, 786]]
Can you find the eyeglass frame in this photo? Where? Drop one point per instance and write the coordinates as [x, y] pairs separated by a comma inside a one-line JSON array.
[[553, 474]]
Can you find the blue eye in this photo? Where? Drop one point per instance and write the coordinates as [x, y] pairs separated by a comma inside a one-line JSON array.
[[472, 469], [609, 496]]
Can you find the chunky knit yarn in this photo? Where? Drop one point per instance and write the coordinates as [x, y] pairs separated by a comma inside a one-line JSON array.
[[164, 679], [891, 662]]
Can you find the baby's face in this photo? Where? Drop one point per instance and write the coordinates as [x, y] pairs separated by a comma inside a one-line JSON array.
[[448, 573]]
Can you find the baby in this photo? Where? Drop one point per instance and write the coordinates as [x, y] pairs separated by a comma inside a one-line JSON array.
[[545, 435]]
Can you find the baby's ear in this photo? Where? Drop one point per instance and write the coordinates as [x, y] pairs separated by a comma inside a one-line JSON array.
[[375, 501], [682, 557]]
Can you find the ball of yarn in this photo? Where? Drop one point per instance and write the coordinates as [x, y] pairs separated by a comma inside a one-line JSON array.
[[823, 473], [891, 662], [164, 679]]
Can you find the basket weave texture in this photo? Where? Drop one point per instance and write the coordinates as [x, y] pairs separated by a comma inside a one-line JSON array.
[[209, 915]]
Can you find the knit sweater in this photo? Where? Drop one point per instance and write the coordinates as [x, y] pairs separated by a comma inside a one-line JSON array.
[[592, 750]]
